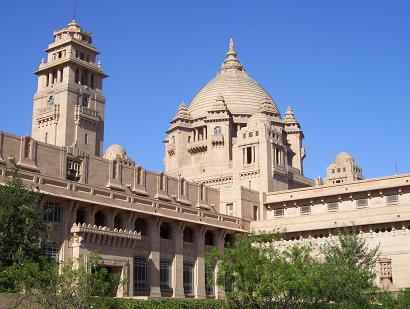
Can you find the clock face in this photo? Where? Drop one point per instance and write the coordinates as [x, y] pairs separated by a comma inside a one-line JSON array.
[[50, 101]]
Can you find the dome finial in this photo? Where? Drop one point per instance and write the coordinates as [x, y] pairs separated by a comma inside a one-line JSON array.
[[231, 62], [231, 46]]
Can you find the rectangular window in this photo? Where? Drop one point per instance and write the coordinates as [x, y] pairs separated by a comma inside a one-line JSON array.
[[165, 275], [52, 212], [250, 134], [332, 206], [188, 278], [209, 281], [244, 135], [306, 209], [279, 212], [86, 139], [249, 155], [256, 133], [255, 213], [392, 199], [85, 101], [229, 209], [361, 203], [50, 251], [140, 275]]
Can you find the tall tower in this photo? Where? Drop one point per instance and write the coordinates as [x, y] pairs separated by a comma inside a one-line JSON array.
[[68, 107]]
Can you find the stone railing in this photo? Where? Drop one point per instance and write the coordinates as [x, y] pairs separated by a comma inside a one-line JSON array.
[[106, 231], [86, 111]]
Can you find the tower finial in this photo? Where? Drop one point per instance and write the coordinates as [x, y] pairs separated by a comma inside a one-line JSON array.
[[231, 46], [75, 10]]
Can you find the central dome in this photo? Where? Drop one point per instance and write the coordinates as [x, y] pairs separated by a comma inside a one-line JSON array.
[[241, 93]]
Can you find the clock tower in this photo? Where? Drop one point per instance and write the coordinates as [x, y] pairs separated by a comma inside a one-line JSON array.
[[68, 107]]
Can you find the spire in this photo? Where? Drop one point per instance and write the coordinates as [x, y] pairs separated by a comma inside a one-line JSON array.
[[289, 116], [182, 113], [231, 62]]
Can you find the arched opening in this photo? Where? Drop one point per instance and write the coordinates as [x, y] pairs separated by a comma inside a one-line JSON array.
[[165, 231], [117, 222], [188, 235], [80, 216], [209, 238], [140, 225], [229, 240], [217, 130], [99, 218]]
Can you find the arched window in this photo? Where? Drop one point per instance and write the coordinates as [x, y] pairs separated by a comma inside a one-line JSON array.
[[209, 238], [217, 130], [140, 226], [99, 218], [165, 231], [188, 235], [117, 222]]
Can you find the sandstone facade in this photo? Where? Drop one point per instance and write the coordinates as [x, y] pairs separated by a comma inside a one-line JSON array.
[[232, 164]]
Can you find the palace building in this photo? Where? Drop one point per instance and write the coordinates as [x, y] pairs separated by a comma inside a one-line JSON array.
[[232, 164]]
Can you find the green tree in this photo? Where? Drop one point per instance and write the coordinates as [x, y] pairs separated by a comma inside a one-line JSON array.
[[72, 285], [22, 223], [258, 273]]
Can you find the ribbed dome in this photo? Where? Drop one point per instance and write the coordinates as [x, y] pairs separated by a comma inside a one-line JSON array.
[[242, 94]]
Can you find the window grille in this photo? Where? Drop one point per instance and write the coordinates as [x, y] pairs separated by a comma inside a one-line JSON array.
[[306, 209], [188, 277], [50, 251], [392, 199], [165, 275], [52, 212], [279, 212], [140, 275], [361, 203], [332, 206]]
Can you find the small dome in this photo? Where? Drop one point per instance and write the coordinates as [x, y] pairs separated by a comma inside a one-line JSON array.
[[343, 157], [114, 150]]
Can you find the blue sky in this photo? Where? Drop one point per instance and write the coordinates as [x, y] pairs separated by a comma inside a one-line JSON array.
[[344, 67]]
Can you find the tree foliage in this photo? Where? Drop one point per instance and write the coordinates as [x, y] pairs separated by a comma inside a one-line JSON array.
[[22, 223], [257, 273], [72, 285]]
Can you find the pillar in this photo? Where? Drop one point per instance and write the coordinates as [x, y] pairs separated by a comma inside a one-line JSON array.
[[154, 257], [199, 277], [178, 263], [58, 75], [220, 244]]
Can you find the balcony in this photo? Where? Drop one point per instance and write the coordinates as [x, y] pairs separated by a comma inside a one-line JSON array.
[[170, 149], [85, 113], [48, 113], [87, 233], [197, 147], [217, 140]]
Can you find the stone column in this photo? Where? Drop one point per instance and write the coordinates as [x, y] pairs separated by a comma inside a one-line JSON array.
[[199, 280], [220, 243], [178, 263], [154, 258], [58, 75]]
